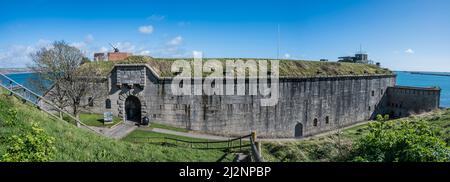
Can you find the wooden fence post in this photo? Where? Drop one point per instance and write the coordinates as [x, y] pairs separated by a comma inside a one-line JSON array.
[[257, 144], [254, 136], [240, 144]]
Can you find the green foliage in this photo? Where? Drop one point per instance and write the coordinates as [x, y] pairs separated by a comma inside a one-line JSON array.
[[167, 127], [85, 60], [75, 144], [423, 135], [279, 152], [10, 118], [402, 141], [381, 118], [96, 120], [137, 59], [35, 146], [324, 150]]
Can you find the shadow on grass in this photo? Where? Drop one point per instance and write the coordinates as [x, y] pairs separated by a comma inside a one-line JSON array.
[[223, 157]]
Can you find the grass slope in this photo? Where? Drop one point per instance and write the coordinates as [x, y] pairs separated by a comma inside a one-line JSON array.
[[75, 144], [159, 138], [97, 120], [167, 127], [325, 148]]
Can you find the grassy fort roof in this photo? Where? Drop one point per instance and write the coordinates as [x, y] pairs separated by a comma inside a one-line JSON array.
[[288, 68]]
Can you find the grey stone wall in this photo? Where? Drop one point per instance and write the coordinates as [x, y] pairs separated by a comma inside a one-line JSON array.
[[330, 101], [404, 101], [312, 105]]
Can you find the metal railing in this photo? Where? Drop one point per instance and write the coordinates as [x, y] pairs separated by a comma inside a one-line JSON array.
[[230, 144], [43, 104]]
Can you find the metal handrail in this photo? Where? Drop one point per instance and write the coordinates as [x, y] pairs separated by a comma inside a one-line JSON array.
[[42, 99], [254, 149]]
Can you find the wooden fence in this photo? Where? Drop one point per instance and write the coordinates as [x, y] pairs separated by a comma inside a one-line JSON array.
[[234, 143]]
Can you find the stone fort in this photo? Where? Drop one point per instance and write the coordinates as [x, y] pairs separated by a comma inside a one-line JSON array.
[[333, 95]]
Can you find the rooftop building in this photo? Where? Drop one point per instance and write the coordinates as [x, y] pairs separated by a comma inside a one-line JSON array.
[[358, 58]]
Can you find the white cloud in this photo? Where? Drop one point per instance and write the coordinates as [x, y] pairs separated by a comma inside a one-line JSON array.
[[125, 46], [103, 49], [16, 56], [145, 53], [409, 51], [197, 54], [170, 52], [19, 55], [79, 45], [146, 29], [85, 45], [176, 41], [287, 56], [44, 43], [156, 17]]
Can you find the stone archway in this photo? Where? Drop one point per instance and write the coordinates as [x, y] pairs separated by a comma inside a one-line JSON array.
[[133, 110], [298, 130], [123, 96]]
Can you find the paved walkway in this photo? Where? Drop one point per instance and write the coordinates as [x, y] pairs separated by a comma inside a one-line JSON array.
[[119, 131], [215, 137]]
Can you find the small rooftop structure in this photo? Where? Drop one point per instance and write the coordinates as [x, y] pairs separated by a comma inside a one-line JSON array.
[[112, 56], [358, 58], [99, 56]]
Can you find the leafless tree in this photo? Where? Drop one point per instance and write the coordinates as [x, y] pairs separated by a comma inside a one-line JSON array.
[[337, 141], [60, 64]]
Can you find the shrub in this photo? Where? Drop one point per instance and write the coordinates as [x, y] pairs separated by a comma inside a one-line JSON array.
[[401, 141], [35, 146], [10, 118]]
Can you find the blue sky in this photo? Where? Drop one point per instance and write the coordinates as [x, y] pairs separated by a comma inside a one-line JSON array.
[[401, 34]]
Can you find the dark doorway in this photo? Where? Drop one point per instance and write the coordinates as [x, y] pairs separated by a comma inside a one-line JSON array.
[[298, 130], [133, 109]]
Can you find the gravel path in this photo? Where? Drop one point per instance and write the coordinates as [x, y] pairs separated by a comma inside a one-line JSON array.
[[215, 137]]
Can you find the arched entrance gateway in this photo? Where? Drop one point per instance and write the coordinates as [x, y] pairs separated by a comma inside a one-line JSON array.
[[298, 130], [133, 109]]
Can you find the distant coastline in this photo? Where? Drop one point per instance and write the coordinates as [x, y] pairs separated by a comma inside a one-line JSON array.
[[15, 70], [429, 73]]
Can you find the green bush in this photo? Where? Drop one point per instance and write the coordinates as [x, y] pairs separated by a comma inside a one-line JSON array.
[[400, 142], [34, 146], [10, 118]]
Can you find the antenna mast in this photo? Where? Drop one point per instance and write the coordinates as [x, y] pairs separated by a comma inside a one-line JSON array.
[[278, 42]]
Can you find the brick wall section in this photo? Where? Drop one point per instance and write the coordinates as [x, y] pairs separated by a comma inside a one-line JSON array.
[[99, 57], [117, 56]]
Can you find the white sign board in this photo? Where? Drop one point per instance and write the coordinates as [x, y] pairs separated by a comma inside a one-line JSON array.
[[107, 117]]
